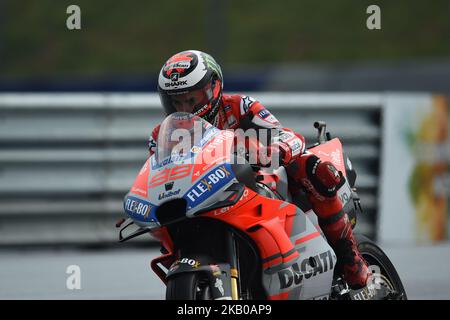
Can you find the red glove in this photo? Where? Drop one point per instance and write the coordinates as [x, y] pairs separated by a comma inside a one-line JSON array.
[[277, 151], [264, 155], [285, 152]]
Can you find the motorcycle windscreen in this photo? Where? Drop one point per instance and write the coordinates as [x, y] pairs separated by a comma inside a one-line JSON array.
[[181, 135]]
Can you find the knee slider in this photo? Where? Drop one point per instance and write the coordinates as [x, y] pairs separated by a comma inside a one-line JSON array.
[[323, 176]]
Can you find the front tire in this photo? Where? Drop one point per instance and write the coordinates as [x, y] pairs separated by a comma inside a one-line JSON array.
[[188, 286], [373, 254]]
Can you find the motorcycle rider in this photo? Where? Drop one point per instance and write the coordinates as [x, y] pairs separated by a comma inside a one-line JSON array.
[[191, 81]]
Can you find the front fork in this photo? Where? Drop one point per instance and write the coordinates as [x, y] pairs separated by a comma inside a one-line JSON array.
[[229, 277], [233, 255]]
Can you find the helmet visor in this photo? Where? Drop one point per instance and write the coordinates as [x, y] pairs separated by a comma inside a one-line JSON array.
[[195, 102]]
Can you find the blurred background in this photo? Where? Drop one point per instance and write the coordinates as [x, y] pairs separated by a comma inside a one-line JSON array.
[[77, 108]]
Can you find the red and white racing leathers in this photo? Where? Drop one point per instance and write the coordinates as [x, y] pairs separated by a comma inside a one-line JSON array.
[[306, 172]]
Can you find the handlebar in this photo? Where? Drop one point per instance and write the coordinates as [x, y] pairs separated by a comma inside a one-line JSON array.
[[322, 136]]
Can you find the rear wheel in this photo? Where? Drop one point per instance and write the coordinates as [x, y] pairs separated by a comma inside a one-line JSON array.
[[374, 256], [188, 286]]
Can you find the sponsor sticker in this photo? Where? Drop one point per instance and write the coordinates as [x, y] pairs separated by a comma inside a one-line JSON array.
[[165, 195], [138, 209], [212, 181], [219, 285], [169, 185], [178, 65], [296, 146], [294, 275], [271, 119], [246, 103], [210, 132], [176, 84], [264, 113], [191, 262], [336, 157], [196, 149]]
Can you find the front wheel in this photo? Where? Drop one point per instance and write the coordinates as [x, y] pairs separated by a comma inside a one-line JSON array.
[[188, 286], [374, 256]]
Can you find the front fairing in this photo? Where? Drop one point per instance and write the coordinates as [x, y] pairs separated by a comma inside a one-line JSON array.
[[196, 172]]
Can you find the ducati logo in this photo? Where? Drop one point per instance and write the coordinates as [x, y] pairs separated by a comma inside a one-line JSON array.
[[294, 275], [169, 185]]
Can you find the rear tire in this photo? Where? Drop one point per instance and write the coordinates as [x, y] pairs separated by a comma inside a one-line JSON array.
[[373, 254], [188, 286]]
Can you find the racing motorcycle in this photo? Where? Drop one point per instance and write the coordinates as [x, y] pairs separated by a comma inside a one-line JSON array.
[[232, 230]]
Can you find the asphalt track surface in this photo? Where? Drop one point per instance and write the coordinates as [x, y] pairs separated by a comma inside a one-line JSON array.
[[126, 274]]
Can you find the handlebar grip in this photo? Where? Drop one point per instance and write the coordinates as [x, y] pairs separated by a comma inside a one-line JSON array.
[[319, 124]]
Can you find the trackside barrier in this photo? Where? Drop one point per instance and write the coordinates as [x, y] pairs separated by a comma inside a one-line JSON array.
[[67, 160]]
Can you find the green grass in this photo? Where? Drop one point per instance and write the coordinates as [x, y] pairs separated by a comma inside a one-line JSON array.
[[137, 36]]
